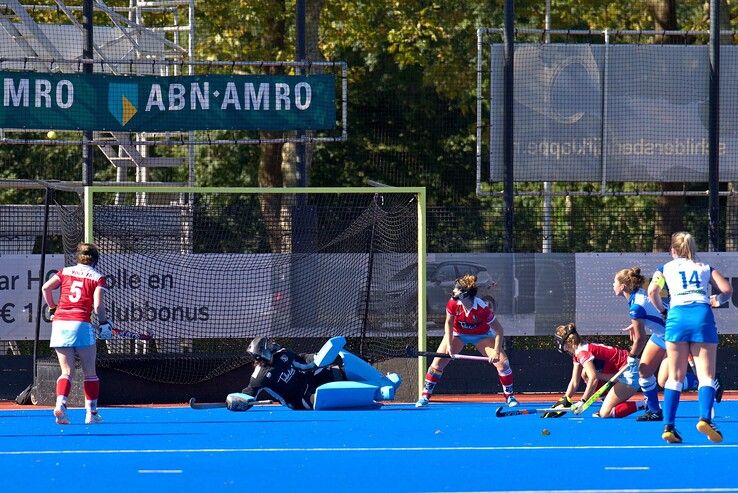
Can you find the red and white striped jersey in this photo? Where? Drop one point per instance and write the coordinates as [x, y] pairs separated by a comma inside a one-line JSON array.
[[476, 321], [607, 359]]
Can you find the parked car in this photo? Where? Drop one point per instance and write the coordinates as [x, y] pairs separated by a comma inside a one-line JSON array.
[[395, 300]]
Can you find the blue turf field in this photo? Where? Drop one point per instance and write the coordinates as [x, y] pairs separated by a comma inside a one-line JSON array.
[[445, 447]]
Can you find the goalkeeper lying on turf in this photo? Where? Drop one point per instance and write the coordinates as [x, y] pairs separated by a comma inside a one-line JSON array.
[[330, 379]]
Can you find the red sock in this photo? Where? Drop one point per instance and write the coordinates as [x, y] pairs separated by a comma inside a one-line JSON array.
[[431, 379], [506, 380], [92, 388], [625, 409], [63, 386]]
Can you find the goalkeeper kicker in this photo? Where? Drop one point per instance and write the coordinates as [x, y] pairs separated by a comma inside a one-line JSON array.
[[330, 379]]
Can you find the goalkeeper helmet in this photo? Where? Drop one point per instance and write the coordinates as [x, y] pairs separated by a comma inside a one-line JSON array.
[[465, 287], [563, 332], [262, 348]]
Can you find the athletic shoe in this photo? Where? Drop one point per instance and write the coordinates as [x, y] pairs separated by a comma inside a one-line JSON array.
[[651, 416], [422, 402], [511, 401], [708, 429], [718, 389], [596, 414], [671, 435], [93, 418], [60, 413]]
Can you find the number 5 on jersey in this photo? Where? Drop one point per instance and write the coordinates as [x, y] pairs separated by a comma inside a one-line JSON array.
[[75, 291]]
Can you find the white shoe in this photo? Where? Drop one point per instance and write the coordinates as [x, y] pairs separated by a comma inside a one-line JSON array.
[[93, 418], [422, 402], [511, 401], [60, 413]]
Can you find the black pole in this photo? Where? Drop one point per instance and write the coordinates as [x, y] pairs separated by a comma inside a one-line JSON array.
[[714, 126], [42, 279], [300, 53], [507, 124], [87, 53]]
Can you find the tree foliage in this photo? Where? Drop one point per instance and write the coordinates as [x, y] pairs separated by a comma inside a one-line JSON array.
[[412, 103]]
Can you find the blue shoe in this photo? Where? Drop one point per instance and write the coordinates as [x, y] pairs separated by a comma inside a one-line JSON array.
[[422, 402], [511, 401]]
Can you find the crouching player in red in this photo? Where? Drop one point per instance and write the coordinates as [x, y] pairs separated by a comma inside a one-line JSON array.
[[469, 320], [82, 290], [333, 378], [587, 358]]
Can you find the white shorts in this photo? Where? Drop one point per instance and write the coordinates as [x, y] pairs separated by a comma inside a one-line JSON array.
[[475, 338], [71, 333]]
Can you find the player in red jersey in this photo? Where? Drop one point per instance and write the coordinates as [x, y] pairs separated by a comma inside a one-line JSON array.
[[595, 364], [469, 320], [82, 290]]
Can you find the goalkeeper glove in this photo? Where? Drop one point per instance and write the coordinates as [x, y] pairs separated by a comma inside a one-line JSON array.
[[105, 331]]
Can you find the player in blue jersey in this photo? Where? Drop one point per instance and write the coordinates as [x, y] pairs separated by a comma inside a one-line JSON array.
[[690, 328], [645, 355]]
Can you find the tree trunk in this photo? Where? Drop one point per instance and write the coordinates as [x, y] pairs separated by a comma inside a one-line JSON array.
[[669, 209], [270, 160]]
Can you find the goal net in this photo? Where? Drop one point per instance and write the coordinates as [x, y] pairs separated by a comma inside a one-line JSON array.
[[195, 273]]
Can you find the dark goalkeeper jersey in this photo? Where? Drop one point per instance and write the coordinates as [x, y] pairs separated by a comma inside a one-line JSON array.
[[289, 379]]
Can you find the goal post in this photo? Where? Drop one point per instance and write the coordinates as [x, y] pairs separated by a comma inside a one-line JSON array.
[[204, 269]]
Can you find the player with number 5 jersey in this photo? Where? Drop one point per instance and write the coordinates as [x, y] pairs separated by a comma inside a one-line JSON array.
[[81, 292], [690, 329]]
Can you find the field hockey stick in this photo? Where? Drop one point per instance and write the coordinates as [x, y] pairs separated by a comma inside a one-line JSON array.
[[215, 405], [500, 413], [411, 352], [601, 391], [127, 334]]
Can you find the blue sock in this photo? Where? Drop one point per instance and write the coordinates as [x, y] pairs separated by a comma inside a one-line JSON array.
[[671, 402], [652, 399], [691, 381], [706, 396]]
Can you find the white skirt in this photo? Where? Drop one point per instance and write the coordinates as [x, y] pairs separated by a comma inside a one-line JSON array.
[[71, 333]]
